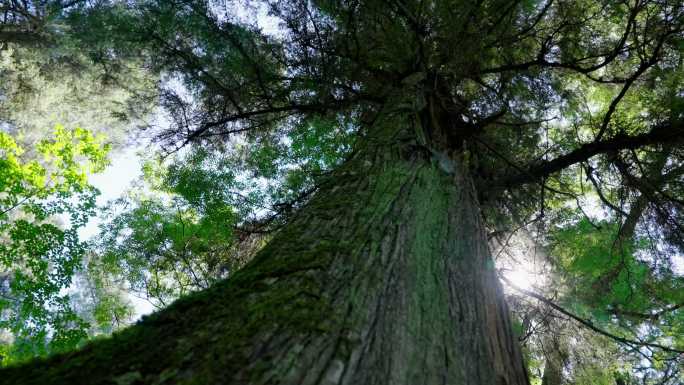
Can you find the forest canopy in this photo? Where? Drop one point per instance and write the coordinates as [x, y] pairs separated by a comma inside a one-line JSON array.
[[320, 175]]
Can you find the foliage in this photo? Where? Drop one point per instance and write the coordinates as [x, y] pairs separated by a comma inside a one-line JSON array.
[[39, 255], [41, 89], [174, 233], [49, 78], [195, 219]]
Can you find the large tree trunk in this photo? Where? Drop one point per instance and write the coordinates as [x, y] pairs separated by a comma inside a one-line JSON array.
[[383, 278]]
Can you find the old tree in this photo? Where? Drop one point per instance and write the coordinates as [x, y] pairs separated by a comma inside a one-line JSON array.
[[447, 123]]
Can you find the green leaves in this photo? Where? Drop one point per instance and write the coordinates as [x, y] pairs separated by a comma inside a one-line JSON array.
[[174, 233], [189, 222], [44, 200], [615, 283], [599, 270]]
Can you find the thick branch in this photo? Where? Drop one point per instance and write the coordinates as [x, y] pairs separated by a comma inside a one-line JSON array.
[[650, 316], [669, 134]]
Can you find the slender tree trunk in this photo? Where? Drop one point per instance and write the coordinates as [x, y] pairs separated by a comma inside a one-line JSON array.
[[385, 277], [556, 355], [553, 373]]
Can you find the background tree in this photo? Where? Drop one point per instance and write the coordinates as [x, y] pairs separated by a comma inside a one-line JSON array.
[[177, 231], [49, 79], [39, 258]]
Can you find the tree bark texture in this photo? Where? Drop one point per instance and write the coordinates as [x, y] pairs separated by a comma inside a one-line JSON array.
[[384, 277]]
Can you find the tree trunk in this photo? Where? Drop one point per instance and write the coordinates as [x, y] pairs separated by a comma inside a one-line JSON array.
[[556, 360], [553, 374], [385, 277]]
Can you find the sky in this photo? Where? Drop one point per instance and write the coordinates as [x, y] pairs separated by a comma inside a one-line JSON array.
[[112, 183]]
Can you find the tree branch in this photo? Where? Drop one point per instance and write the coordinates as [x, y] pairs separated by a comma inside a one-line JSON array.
[[587, 323], [662, 134]]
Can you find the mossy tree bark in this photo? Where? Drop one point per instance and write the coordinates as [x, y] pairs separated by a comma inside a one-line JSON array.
[[383, 278]]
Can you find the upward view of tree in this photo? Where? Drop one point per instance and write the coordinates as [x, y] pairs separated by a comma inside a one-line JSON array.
[[384, 146]]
